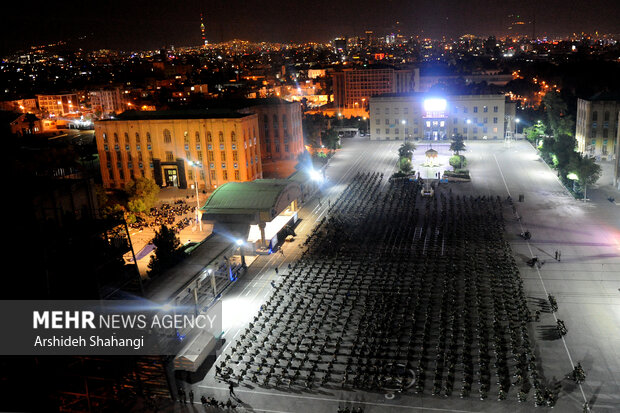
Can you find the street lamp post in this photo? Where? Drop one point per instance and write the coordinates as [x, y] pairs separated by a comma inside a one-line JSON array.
[[240, 244], [195, 165], [468, 127], [517, 120]]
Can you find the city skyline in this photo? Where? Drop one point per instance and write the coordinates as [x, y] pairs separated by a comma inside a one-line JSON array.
[[134, 26]]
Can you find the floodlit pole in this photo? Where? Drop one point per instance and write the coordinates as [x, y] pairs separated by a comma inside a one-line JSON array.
[[468, 127], [517, 120], [240, 244], [194, 165]]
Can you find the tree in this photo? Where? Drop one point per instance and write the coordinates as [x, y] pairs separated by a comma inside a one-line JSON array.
[[331, 139], [559, 119], [564, 150], [406, 150], [586, 169], [535, 132], [142, 194], [167, 251], [405, 165], [458, 144], [304, 161]]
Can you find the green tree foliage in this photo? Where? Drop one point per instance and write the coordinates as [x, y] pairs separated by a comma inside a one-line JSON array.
[[141, 194], [534, 132], [458, 144], [406, 150], [564, 150], [558, 117], [330, 139], [586, 169], [167, 251], [404, 165], [457, 161]]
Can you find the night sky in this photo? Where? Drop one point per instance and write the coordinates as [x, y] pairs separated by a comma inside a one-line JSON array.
[[146, 24]]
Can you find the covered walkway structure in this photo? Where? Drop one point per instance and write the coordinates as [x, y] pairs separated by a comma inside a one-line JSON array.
[[255, 212]]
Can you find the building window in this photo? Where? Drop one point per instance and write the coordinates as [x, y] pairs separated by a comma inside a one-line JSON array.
[[148, 138], [137, 138], [495, 109], [485, 109], [209, 138], [494, 120], [169, 156], [221, 138], [167, 136], [225, 175], [233, 137], [475, 109], [223, 156], [237, 176]]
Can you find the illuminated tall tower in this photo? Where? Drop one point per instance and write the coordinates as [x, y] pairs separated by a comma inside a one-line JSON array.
[[202, 31]]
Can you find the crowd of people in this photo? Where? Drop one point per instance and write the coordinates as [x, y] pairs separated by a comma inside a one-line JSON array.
[[172, 215], [395, 292]]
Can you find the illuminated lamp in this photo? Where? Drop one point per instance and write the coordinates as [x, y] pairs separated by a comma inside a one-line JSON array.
[[435, 105]]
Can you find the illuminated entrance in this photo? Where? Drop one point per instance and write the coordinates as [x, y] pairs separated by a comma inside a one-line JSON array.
[[435, 118], [171, 176]]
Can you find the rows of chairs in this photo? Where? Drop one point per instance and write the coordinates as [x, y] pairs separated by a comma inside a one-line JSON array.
[[394, 292]]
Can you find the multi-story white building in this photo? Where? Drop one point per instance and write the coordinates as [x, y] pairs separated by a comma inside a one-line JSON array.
[[353, 87], [596, 126], [106, 101], [434, 117]]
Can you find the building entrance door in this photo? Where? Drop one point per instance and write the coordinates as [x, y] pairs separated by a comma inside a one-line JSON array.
[[171, 177]]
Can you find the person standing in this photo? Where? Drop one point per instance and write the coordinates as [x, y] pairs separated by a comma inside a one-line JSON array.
[[556, 255], [191, 397], [559, 255], [276, 269], [231, 389]]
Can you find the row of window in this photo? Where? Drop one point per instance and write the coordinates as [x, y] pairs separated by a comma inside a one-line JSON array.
[[167, 135], [455, 109], [428, 123], [388, 131]]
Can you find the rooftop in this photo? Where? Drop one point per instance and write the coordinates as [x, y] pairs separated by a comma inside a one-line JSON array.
[[179, 114]]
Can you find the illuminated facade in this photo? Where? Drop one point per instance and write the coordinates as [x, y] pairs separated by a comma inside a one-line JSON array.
[[59, 105], [354, 87], [106, 101], [166, 146], [280, 133], [596, 126], [420, 116]]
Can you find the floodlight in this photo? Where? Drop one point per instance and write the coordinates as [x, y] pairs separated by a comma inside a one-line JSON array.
[[435, 105]]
